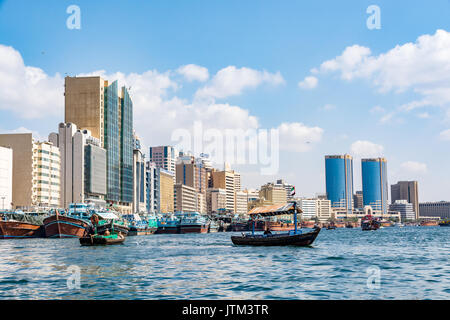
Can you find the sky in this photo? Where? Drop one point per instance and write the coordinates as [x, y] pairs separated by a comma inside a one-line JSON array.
[[312, 70]]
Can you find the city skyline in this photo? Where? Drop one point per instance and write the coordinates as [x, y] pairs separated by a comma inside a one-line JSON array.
[[321, 103]]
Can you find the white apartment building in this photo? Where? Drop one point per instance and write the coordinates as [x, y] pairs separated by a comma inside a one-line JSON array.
[[6, 168]]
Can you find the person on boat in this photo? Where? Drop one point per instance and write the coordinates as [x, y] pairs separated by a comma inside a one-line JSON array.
[[267, 232], [107, 233]]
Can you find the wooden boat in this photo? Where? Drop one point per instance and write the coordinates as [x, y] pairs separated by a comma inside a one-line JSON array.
[[292, 238], [428, 223], [17, 229], [368, 223], [102, 240], [445, 223], [193, 222], [61, 226]]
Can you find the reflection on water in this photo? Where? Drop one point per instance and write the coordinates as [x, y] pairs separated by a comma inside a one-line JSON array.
[[414, 264]]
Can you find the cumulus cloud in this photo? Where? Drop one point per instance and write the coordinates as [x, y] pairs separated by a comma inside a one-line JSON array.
[[328, 107], [366, 149], [308, 83], [194, 72], [298, 137], [231, 81], [422, 67], [28, 91], [414, 168]]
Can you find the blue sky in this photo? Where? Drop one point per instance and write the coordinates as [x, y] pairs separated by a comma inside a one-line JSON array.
[[289, 39]]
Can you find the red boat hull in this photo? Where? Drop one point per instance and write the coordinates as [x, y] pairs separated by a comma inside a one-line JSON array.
[[15, 229], [58, 226]]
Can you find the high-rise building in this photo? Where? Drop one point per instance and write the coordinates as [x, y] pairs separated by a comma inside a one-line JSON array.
[[216, 200], [289, 188], [339, 181], [241, 203], [185, 198], [435, 209], [36, 171], [358, 200], [83, 165], [107, 112], [6, 171], [139, 178], [225, 180], [405, 208], [272, 194], [375, 184], [166, 191], [152, 187], [406, 190], [315, 208], [164, 157]]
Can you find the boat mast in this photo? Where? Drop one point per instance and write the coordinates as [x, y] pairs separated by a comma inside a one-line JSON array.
[[295, 215]]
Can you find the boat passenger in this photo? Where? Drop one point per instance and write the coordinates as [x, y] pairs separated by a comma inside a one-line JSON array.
[[267, 232]]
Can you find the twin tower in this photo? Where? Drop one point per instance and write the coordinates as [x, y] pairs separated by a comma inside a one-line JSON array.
[[339, 183]]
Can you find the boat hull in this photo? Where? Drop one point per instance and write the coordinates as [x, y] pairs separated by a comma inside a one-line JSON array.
[[100, 241], [141, 232], [117, 228], [193, 228], [301, 240], [17, 230], [167, 230], [59, 226]]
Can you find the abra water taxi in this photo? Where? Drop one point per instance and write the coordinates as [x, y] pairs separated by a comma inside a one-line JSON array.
[[292, 238]]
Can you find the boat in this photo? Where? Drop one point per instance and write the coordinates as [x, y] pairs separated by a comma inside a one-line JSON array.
[[370, 223], [239, 224], [213, 226], [386, 223], [399, 224], [444, 223], [308, 224], [291, 238], [168, 224], [16, 226], [74, 224], [193, 222], [139, 226], [331, 226], [428, 223], [97, 239], [109, 220]]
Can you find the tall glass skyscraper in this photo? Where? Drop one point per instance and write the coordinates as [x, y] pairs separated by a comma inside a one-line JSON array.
[[126, 147], [339, 181], [375, 184]]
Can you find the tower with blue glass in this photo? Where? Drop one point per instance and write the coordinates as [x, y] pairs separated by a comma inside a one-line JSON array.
[[375, 184], [339, 181]]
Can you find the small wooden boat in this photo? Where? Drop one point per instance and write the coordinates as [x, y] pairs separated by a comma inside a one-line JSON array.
[[292, 238], [445, 223], [369, 223], [102, 240]]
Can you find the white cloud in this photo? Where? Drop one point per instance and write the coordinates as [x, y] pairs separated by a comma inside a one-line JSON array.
[[445, 135], [308, 83], [413, 168], [366, 149], [377, 109], [298, 137], [194, 72], [28, 91], [231, 81], [422, 67], [424, 115]]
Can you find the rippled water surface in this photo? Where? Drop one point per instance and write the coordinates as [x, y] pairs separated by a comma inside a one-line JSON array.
[[413, 264]]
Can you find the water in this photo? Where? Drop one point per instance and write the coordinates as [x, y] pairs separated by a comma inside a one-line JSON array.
[[413, 264]]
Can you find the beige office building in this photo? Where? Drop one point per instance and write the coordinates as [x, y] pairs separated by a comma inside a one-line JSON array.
[[241, 204], [36, 171], [216, 200], [226, 180], [6, 169], [271, 194], [185, 198], [166, 191]]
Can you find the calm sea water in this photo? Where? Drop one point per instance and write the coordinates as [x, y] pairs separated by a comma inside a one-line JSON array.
[[413, 264]]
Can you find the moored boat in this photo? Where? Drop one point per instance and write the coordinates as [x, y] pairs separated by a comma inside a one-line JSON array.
[[445, 223], [292, 238], [428, 223], [213, 226], [193, 222], [168, 224], [61, 226], [139, 226], [14, 226]]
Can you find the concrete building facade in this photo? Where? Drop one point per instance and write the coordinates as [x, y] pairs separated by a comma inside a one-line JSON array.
[[435, 209], [6, 173], [185, 198], [409, 191], [405, 208]]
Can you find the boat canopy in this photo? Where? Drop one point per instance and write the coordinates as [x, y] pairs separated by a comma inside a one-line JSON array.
[[274, 210], [107, 215]]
